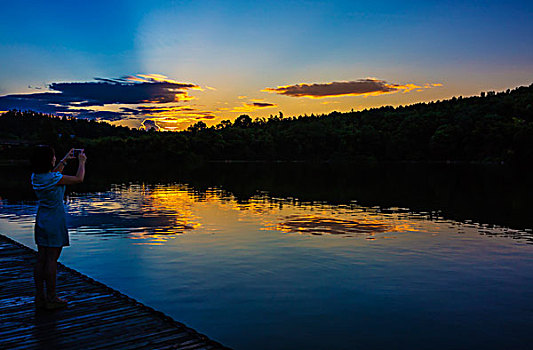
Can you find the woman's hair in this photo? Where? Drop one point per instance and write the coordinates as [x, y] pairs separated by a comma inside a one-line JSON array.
[[41, 160]]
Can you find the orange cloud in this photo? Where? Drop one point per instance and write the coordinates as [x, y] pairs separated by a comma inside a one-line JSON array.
[[368, 86]]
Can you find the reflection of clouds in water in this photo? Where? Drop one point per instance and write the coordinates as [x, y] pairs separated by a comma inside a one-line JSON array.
[[153, 214], [320, 218], [317, 225]]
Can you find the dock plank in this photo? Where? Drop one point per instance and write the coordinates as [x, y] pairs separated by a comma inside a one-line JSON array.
[[97, 317]]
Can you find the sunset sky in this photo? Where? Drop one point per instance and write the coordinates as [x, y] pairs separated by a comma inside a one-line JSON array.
[[173, 63]]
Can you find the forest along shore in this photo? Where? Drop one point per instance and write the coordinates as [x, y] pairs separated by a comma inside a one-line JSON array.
[[493, 127]]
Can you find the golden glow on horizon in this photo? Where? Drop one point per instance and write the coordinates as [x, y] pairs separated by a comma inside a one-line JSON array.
[[173, 124], [192, 103]]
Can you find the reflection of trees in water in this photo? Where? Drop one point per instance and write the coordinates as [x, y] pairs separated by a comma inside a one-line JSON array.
[[485, 194], [492, 195], [526, 235]]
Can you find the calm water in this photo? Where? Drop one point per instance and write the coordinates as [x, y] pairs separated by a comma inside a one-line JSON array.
[[315, 257]]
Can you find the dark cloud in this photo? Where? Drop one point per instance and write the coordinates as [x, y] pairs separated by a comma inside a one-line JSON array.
[[55, 103], [100, 93], [341, 88], [69, 98], [250, 107], [114, 81], [102, 115], [46, 102], [165, 109], [207, 117], [262, 104], [131, 111]]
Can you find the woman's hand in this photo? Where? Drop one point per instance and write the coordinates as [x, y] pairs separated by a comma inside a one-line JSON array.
[[69, 155], [63, 162], [82, 157], [80, 175]]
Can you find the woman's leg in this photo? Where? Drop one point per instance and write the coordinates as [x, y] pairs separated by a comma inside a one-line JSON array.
[[52, 254], [38, 274]]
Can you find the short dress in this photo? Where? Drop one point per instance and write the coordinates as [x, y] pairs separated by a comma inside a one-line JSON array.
[[51, 221]]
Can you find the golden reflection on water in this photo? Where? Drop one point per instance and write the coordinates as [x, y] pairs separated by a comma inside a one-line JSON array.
[[155, 214], [185, 210], [316, 225], [174, 203]]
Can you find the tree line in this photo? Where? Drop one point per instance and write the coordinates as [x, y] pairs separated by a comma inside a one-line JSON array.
[[493, 127]]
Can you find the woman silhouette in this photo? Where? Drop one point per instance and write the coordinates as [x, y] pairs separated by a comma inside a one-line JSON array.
[[51, 233]]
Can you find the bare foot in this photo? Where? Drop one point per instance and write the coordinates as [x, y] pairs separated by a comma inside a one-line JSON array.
[[55, 303]]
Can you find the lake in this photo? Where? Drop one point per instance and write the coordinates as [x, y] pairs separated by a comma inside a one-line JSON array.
[[314, 256]]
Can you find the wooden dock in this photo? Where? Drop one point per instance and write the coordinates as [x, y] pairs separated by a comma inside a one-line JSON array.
[[98, 317]]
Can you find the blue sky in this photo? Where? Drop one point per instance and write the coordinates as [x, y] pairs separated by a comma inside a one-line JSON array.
[[233, 51]]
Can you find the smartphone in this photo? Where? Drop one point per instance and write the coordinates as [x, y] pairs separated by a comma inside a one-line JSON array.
[[77, 152]]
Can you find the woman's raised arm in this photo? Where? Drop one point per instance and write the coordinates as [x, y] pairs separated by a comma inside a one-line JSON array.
[[61, 165], [80, 175]]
